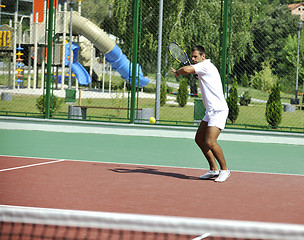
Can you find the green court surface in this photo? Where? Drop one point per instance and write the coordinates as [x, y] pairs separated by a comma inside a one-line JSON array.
[[147, 150]]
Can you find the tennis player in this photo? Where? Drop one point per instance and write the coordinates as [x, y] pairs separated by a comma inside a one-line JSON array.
[[216, 112]]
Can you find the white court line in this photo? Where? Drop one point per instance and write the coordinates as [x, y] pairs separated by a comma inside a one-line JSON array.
[[150, 165], [31, 165], [202, 236]]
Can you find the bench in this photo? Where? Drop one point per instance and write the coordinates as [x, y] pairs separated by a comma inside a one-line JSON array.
[[80, 112], [291, 107], [299, 106], [86, 107]]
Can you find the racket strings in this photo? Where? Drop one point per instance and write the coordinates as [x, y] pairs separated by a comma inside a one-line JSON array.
[[178, 53]]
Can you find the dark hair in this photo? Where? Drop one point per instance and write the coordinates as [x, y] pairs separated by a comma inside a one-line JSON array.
[[198, 48]]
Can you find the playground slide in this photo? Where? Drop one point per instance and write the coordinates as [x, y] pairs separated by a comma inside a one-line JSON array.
[[106, 45], [80, 72]]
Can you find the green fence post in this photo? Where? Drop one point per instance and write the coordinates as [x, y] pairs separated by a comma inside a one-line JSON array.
[[49, 60], [224, 46], [134, 60]]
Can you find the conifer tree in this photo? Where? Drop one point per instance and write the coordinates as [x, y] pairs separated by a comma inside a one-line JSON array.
[[274, 107], [245, 80], [233, 102], [182, 95]]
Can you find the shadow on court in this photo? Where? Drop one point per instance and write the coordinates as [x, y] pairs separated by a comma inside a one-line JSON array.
[[154, 171]]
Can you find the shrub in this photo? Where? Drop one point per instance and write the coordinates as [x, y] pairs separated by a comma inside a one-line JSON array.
[[232, 101], [264, 79], [245, 99], [54, 105], [274, 107], [150, 88], [182, 94], [245, 80]]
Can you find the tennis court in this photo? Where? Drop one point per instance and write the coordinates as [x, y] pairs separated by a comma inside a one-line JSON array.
[[151, 175]]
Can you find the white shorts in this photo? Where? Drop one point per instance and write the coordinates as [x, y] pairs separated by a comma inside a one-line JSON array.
[[216, 118]]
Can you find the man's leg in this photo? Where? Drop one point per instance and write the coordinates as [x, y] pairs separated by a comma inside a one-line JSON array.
[[212, 134], [200, 139]]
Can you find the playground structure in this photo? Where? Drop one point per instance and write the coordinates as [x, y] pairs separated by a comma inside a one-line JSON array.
[[86, 37]]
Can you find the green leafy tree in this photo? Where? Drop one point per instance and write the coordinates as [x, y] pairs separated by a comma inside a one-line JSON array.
[[274, 107], [270, 33], [95, 10], [270, 26], [264, 79], [182, 94], [288, 63], [204, 28], [232, 102]]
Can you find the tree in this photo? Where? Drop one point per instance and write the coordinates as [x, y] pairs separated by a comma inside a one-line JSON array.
[[264, 79], [232, 102], [288, 63], [274, 107], [270, 34], [270, 26], [95, 10], [245, 80], [182, 94]]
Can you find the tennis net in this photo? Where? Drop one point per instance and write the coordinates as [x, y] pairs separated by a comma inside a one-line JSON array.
[[45, 223]]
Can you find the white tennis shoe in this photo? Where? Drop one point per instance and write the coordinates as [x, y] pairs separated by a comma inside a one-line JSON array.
[[210, 174], [224, 174]]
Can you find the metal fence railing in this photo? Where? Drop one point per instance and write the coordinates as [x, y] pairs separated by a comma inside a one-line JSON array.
[[93, 48]]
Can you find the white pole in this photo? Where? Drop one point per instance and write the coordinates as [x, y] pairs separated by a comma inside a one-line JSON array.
[[63, 45], [14, 49], [31, 27], [103, 73], [76, 83], [43, 55], [71, 39], [91, 59], [30, 51], [35, 51], [110, 79], [298, 56], [20, 31], [79, 11], [79, 7]]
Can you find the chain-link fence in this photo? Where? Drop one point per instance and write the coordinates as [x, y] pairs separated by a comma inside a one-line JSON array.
[[94, 42]]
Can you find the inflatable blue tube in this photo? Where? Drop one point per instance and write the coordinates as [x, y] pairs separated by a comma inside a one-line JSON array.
[[121, 64]]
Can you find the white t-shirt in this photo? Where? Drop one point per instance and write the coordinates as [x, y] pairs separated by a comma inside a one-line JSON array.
[[211, 86]]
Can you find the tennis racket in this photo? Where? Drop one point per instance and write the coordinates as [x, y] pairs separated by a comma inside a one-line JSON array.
[[178, 53]]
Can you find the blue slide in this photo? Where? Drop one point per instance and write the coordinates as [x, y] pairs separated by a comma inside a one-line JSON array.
[[80, 72], [107, 46], [121, 64]]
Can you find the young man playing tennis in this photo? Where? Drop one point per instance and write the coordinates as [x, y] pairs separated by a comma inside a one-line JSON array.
[[216, 112]]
